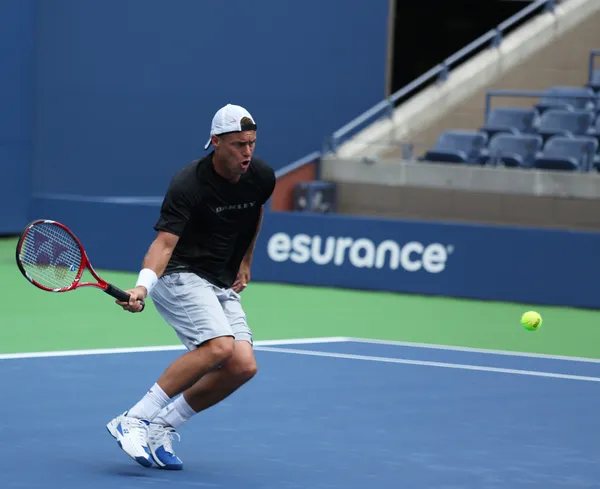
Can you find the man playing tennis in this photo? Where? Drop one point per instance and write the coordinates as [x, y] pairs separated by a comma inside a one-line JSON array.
[[194, 271]]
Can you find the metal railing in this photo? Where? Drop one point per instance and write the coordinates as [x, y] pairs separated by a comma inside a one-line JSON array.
[[535, 94], [594, 53], [305, 160], [438, 73]]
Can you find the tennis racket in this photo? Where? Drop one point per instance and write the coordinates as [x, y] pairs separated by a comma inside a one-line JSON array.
[[51, 257]]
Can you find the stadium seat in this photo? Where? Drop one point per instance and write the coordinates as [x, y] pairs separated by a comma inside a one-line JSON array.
[[457, 146], [511, 120], [568, 153], [513, 150], [594, 83], [555, 122], [594, 130], [568, 98], [559, 132]]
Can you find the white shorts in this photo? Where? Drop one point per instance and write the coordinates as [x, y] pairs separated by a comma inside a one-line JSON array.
[[199, 311]]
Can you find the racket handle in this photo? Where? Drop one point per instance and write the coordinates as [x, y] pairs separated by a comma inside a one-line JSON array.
[[120, 294]]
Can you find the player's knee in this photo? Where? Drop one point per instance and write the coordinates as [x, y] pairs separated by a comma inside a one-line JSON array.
[[243, 371], [220, 349], [247, 371]]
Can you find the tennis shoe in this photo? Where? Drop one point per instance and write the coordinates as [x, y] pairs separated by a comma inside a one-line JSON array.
[[113, 423], [132, 435], [160, 443]]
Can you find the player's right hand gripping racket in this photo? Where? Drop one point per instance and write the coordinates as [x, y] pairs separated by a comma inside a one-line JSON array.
[[51, 257]]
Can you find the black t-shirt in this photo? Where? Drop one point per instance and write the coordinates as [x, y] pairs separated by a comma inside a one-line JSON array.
[[215, 219]]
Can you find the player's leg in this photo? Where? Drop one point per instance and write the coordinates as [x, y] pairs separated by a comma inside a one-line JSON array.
[[238, 370], [212, 388], [190, 305], [209, 390], [219, 384]]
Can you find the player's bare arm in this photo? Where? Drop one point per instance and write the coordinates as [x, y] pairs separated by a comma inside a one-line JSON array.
[[250, 251], [153, 266], [243, 276]]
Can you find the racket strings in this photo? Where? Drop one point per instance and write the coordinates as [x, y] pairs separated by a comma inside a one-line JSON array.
[[51, 256]]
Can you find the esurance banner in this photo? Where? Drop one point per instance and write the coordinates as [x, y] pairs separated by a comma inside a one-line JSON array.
[[456, 260]]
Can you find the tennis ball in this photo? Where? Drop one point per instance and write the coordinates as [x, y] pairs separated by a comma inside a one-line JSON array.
[[531, 320]]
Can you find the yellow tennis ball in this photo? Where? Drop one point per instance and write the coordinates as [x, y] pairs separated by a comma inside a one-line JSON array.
[[531, 320]]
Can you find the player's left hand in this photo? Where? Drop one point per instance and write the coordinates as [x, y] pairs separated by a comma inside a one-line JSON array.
[[242, 279]]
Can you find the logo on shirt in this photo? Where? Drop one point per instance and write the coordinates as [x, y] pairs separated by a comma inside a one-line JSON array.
[[245, 205]]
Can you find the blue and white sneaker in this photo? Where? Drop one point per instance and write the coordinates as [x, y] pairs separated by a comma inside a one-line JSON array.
[[160, 443], [113, 423], [132, 435]]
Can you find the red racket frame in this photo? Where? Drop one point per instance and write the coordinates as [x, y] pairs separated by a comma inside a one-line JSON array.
[[110, 289]]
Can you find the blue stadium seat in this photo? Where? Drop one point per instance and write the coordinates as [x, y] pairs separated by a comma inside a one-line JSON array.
[[568, 98], [510, 119], [568, 153], [457, 146], [594, 83], [555, 122], [513, 150], [594, 130]]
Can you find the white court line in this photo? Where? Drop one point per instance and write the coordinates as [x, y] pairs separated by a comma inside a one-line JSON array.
[[429, 364], [473, 350], [144, 349]]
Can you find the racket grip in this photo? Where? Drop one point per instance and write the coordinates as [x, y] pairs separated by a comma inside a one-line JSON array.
[[119, 294]]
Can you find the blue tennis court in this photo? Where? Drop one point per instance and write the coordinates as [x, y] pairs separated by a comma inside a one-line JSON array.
[[334, 414]]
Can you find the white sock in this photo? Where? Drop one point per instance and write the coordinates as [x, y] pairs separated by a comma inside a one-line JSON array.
[[147, 408], [175, 414]]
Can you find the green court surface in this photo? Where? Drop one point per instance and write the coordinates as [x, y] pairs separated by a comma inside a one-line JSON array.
[[32, 320]]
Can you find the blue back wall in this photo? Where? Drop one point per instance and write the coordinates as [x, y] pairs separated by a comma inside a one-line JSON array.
[[125, 89], [17, 19]]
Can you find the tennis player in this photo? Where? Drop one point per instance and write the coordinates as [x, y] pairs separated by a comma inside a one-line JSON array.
[[195, 270]]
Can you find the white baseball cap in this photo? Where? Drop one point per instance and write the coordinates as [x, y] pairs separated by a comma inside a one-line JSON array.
[[229, 119]]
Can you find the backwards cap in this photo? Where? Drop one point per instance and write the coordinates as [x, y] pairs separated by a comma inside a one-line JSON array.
[[229, 119]]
